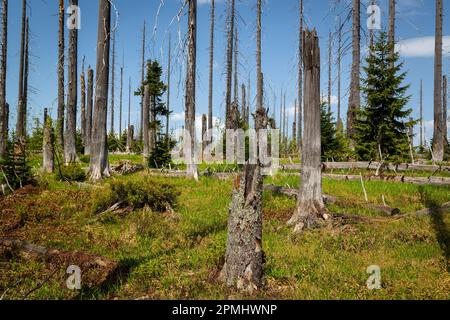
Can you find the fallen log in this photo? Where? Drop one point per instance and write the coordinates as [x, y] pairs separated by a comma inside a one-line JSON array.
[[373, 166]]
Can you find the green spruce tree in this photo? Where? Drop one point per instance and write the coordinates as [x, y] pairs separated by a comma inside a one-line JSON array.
[[382, 125], [334, 144]]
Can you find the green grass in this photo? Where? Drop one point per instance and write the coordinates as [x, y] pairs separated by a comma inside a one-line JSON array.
[[179, 257]]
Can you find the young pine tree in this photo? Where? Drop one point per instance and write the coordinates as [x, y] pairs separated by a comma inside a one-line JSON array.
[[335, 147], [382, 125]]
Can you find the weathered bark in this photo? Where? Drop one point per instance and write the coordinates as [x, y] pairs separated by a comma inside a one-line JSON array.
[[83, 105], [244, 258], [243, 105], [48, 145], [169, 70], [236, 81], [211, 67], [294, 124], [391, 36], [61, 65], [25, 76], [330, 61], [90, 102], [204, 141], [3, 113], [142, 83], [120, 101], [339, 63], [422, 145], [130, 132], [113, 83], [300, 80], [70, 153], [438, 143], [311, 210], [190, 144], [444, 111], [146, 122], [371, 31], [99, 149], [20, 127], [354, 100], [229, 122]]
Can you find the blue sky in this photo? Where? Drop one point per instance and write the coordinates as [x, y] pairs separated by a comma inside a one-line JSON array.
[[415, 32]]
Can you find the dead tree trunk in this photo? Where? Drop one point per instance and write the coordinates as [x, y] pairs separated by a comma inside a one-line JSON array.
[[3, 113], [20, 127], [236, 81], [244, 258], [48, 145], [190, 142], [113, 82], [444, 110], [25, 76], [83, 105], [354, 99], [120, 101], [146, 122], [392, 26], [204, 140], [300, 80], [70, 153], [61, 66], [142, 83], [243, 105], [230, 24], [99, 149], [339, 63], [130, 132], [438, 144], [294, 124], [90, 102], [330, 61], [211, 67], [311, 211], [169, 70], [422, 145]]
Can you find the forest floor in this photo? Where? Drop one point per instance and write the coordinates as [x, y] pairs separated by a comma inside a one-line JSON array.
[[178, 255]]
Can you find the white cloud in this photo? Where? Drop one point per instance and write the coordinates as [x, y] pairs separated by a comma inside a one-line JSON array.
[[334, 100], [422, 47]]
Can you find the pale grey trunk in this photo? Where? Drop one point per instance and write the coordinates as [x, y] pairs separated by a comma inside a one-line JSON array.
[[229, 122], [330, 61], [310, 209], [190, 144], [300, 80], [354, 99], [421, 114], [339, 63], [391, 35], [244, 258], [243, 105], [236, 82], [130, 131], [142, 83], [438, 143], [20, 127], [204, 140], [444, 111], [90, 102], [83, 106], [99, 149], [48, 145], [3, 113], [169, 70], [61, 65], [120, 102], [146, 122], [70, 153], [113, 83], [211, 67]]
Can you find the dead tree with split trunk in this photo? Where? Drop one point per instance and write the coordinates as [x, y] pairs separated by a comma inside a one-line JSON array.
[[48, 151], [190, 142], [311, 210], [99, 167], [244, 258], [70, 152]]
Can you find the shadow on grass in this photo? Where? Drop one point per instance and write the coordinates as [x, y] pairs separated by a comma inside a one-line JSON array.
[[439, 225]]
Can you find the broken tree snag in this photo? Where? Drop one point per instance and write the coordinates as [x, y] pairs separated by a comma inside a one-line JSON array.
[[48, 145], [310, 211], [244, 258]]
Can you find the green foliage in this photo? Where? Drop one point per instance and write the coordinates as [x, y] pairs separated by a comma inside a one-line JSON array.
[[383, 122], [34, 141], [14, 169], [137, 193], [160, 156], [335, 146], [72, 173]]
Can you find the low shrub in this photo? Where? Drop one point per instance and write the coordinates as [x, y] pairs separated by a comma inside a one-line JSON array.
[[137, 192], [72, 173]]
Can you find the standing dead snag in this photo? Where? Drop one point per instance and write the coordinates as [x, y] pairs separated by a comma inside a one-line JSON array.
[[244, 258], [190, 143], [99, 167], [438, 144], [83, 105], [310, 210], [211, 67], [146, 123], [20, 127], [444, 110], [3, 111], [60, 121], [229, 119], [300, 79], [48, 145], [70, 152], [90, 94]]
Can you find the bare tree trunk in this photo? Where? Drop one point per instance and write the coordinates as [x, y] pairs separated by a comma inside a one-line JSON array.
[[20, 127], [130, 132], [3, 113], [146, 122], [229, 112], [120, 101], [204, 141], [244, 258], [294, 124], [90, 102], [243, 105], [354, 100], [339, 118], [61, 66], [70, 153], [211, 67], [311, 210], [169, 70], [330, 61], [300, 80], [249, 101], [438, 144], [392, 26], [236, 81], [48, 145], [190, 144], [83, 105], [444, 111], [372, 34], [142, 82], [113, 81], [99, 148], [25, 76], [422, 145]]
